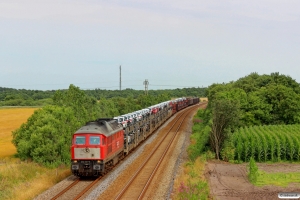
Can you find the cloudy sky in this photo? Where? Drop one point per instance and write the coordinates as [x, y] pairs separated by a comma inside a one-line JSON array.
[[51, 44]]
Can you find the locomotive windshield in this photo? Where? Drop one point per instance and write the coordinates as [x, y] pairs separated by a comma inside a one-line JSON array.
[[94, 140], [80, 140]]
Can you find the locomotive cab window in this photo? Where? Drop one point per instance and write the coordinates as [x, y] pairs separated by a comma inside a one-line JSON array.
[[95, 140], [80, 140]]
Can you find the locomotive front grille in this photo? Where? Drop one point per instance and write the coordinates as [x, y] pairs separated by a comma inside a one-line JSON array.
[[86, 164]]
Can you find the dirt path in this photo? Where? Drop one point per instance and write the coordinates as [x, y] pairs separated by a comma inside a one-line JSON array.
[[229, 181]]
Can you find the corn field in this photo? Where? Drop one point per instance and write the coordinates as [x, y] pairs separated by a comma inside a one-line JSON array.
[[266, 143]]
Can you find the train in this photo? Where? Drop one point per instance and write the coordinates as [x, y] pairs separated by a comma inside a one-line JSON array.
[[100, 144]]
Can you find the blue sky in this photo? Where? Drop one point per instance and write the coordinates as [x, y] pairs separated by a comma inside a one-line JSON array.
[[51, 44]]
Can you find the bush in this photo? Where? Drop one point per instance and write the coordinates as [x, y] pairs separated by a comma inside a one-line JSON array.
[[46, 137], [199, 142], [253, 171], [228, 152]]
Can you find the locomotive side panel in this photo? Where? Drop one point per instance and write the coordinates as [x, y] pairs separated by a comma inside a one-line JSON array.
[[115, 143]]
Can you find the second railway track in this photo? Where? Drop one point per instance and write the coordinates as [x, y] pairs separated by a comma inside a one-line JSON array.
[[137, 186]]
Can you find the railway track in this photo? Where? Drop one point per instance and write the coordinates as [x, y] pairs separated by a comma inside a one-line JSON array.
[[76, 189], [137, 186]]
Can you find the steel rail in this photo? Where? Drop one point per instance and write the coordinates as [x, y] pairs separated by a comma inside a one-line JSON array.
[[72, 185], [66, 189], [87, 188]]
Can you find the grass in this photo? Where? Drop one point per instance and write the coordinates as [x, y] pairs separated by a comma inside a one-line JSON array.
[[191, 183], [279, 179], [262, 178], [22, 180]]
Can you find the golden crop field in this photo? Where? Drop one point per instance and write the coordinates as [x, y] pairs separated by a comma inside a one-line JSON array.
[[10, 120], [22, 180]]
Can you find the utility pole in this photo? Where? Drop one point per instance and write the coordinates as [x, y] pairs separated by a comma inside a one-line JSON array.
[[120, 78], [146, 83]]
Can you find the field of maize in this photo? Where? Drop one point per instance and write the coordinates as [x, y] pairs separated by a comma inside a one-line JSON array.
[[265, 143]]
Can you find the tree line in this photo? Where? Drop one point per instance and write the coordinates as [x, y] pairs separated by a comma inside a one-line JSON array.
[[22, 97], [253, 100]]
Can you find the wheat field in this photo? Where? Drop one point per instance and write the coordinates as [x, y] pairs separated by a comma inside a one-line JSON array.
[[18, 179], [10, 120]]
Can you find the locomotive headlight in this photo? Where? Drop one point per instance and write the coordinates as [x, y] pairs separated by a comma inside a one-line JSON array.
[[98, 161], [74, 161]]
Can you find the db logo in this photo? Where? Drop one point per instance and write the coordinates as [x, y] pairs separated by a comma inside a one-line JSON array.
[[86, 150]]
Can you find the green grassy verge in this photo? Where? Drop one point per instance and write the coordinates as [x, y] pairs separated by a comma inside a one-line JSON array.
[[262, 178], [278, 179], [191, 184]]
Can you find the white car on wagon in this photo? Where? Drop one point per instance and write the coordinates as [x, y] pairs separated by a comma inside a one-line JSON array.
[[121, 120]]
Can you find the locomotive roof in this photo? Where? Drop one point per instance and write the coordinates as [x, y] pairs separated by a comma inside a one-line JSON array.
[[104, 126]]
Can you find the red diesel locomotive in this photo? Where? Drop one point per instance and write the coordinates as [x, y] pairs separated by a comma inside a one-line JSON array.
[[96, 146]]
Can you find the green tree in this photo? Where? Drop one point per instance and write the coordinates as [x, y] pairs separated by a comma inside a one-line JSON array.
[[285, 104], [225, 117], [46, 136], [108, 108], [85, 107]]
